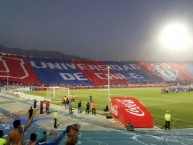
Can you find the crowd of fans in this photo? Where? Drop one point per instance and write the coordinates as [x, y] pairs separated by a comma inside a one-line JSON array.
[[17, 135]]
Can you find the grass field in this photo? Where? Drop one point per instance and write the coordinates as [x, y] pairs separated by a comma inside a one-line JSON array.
[[179, 104]]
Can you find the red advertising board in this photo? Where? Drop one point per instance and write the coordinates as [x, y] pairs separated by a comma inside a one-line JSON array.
[[130, 110]]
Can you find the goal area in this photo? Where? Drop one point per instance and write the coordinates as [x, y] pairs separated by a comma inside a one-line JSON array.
[[58, 92]]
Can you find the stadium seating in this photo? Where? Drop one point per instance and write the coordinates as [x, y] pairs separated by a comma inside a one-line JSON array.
[[32, 70], [132, 72]]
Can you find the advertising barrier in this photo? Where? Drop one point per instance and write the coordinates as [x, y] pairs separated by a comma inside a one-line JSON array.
[[130, 110]]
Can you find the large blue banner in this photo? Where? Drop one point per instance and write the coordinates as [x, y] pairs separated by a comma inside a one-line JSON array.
[[131, 71], [57, 71]]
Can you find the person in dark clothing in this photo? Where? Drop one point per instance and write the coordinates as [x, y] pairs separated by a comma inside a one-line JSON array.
[[79, 107], [33, 138], [67, 102], [35, 103], [41, 107], [106, 109], [30, 112], [87, 108]]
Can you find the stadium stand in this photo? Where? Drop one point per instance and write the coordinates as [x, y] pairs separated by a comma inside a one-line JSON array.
[[132, 72], [47, 71]]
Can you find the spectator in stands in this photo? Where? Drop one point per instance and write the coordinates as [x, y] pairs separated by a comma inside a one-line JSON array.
[[30, 113], [167, 120], [35, 103], [41, 107], [47, 107], [42, 138], [79, 107], [33, 138], [2, 140], [106, 108], [72, 133], [16, 136], [87, 108], [55, 118], [70, 107], [93, 108]]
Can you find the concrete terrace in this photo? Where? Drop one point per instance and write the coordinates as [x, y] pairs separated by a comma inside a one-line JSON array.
[[95, 129]]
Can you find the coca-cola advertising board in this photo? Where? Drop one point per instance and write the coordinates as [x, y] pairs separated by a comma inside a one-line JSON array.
[[130, 110]]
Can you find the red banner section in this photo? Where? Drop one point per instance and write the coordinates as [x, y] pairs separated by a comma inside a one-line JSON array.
[[97, 73], [130, 110], [17, 69]]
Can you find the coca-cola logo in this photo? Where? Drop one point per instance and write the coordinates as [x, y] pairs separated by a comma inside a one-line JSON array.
[[131, 107], [114, 109]]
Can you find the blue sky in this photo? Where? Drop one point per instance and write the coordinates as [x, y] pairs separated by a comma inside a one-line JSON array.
[[94, 29]]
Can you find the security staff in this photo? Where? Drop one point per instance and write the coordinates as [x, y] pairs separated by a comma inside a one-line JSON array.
[[167, 120], [55, 118]]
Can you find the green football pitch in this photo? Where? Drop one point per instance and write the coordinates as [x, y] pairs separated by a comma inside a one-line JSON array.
[[179, 104]]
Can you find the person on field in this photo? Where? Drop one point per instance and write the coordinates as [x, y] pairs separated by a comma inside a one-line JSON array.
[[67, 102], [90, 99], [87, 108], [70, 107], [167, 120], [79, 107], [93, 108], [16, 136], [64, 101]]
